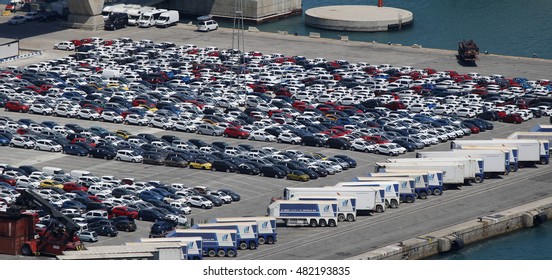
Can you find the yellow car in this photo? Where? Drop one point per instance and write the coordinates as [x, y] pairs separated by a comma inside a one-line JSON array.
[[209, 121], [201, 164], [123, 133], [96, 86], [320, 156], [50, 184], [151, 109], [298, 175], [332, 117]]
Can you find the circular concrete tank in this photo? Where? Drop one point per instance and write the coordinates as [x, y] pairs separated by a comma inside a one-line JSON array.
[[358, 18]]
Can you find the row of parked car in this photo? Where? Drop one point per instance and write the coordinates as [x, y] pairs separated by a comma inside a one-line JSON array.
[[336, 104], [107, 205]]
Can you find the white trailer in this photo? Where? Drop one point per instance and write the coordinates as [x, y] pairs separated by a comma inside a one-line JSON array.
[[473, 167], [167, 19], [266, 226], [433, 179], [367, 199], [453, 173], [510, 150], [529, 151], [346, 205], [494, 162], [406, 185], [391, 188], [531, 135], [305, 212]]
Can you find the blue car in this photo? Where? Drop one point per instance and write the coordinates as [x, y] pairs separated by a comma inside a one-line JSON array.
[[76, 150], [4, 141], [149, 196]]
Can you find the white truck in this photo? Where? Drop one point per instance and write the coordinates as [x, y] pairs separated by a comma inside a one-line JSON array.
[[149, 18], [511, 151], [433, 179], [529, 151], [531, 135], [194, 247], [494, 162], [167, 19], [406, 185], [346, 205], [305, 212], [266, 226], [474, 167], [134, 14], [367, 199], [391, 189], [453, 173]]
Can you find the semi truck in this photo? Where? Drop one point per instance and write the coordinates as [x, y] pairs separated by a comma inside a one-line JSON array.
[[346, 205], [216, 242], [511, 151], [529, 151], [305, 212], [433, 179], [407, 185], [453, 173], [367, 199], [494, 162], [391, 190], [247, 237], [266, 226], [473, 167], [194, 248]]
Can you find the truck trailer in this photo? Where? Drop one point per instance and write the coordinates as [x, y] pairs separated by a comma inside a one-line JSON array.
[[529, 151], [367, 199], [494, 162], [407, 185], [511, 151], [216, 242], [305, 212], [247, 238], [346, 205], [531, 135], [266, 226], [473, 167], [453, 173], [391, 190]]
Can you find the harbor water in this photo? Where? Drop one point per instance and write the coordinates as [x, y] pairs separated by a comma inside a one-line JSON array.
[[506, 27]]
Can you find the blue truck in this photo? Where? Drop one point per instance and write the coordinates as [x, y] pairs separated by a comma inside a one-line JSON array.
[[266, 226], [247, 232], [216, 242]]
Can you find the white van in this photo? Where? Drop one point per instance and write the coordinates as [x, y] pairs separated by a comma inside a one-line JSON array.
[[207, 25], [148, 19], [51, 171], [167, 18]]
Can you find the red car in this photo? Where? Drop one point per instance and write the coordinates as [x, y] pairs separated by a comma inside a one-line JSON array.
[[512, 118], [72, 186], [17, 106], [235, 132], [125, 211], [7, 179], [395, 105]]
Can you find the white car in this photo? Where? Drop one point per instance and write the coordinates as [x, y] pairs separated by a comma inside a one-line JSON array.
[[17, 20], [363, 145], [224, 197], [180, 219], [111, 116], [136, 119], [128, 155], [27, 183], [182, 206], [465, 112], [40, 109], [30, 16], [65, 45], [199, 201], [289, 138], [64, 112], [22, 142], [185, 126], [88, 114], [47, 145], [161, 122], [207, 25], [390, 149], [262, 136]]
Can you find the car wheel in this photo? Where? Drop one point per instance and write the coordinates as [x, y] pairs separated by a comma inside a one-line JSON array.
[[293, 142], [199, 132], [203, 206], [118, 159], [51, 150]]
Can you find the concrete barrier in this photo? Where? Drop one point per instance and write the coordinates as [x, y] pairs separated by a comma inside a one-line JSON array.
[[455, 237], [314, 35], [253, 29]]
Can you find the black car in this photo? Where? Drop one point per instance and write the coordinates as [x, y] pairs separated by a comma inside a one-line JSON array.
[[124, 224], [352, 163], [320, 171], [223, 165], [410, 147], [118, 192], [198, 143], [235, 196], [101, 153], [246, 168], [28, 169], [272, 171], [150, 215], [489, 115], [311, 140], [160, 229], [116, 21], [338, 143], [153, 158], [104, 230], [48, 16], [215, 200]]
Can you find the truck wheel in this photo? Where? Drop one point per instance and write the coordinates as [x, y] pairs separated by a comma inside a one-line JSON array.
[[270, 240], [423, 195], [262, 240], [340, 218], [478, 179], [243, 245], [231, 253], [252, 245], [26, 250], [379, 209], [211, 253], [394, 204], [543, 161], [512, 168], [323, 223], [313, 223], [332, 223], [221, 253], [350, 218], [386, 204], [437, 192], [401, 199]]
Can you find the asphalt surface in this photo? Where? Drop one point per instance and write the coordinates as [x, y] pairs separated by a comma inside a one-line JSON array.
[[348, 239]]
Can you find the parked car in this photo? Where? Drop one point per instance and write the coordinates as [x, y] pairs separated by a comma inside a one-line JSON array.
[[88, 236], [65, 45]]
